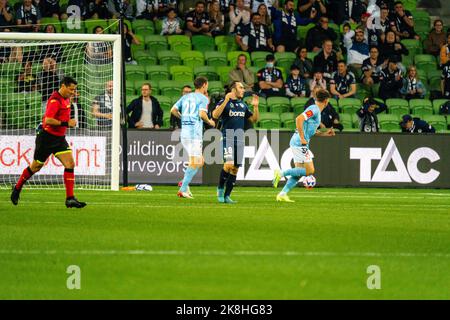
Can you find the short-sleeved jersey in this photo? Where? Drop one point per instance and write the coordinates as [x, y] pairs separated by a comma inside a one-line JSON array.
[[312, 122], [197, 21], [190, 106], [343, 83], [234, 115], [57, 108]]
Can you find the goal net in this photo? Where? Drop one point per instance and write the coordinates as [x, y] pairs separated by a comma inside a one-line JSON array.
[[31, 68]]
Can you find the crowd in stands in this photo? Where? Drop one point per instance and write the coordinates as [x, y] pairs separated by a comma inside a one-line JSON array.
[[354, 46]]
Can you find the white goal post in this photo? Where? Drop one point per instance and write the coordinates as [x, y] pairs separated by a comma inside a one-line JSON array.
[[23, 94]]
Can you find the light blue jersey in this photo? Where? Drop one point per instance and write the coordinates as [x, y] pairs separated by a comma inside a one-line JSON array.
[[312, 122], [190, 106]]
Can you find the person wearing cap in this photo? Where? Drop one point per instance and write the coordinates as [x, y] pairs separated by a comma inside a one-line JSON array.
[[402, 22], [295, 84], [367, 114], [415, 125], [270, 79], [343, 82], [391, 80]]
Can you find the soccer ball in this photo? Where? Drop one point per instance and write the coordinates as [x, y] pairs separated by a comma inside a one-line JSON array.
[[309, 182]]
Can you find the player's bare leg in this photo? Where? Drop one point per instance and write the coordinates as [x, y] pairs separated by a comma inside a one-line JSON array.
[[300, 170], [66, 159], [195, 163], [27, 173]]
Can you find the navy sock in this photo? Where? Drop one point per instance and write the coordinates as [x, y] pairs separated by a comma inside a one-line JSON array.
[[230, 184], [223, 178]]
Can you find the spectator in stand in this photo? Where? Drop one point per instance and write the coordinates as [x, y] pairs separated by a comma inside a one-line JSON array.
[[326, 60], [197, 21], [216, 19], [391, 47], [83, 5], [26, 81], [346, 11], [145, 111], [391, 80], [296, 85], [98, 52], [343, 82], [239, 16], [436, 38], [175, 122], [6, 14], [318, 34], [308, 7], [8, 54], [372, 68], [102, 107], [49, 79], [255, 36], [256, 4], [171, 24], [241, 73], [116, 6], [28, 17], [49, 8], [130, 39], [77, 111], [413, 88], [304, 64], [357, 49], [98, 9], [329, 117], [224, 5], [368, 120], [378, 28], [445, 51], [165, 6], [285, 24], [317, 82], [270, 79], [265, 15], [147, 9], [445, 81], [402, 22], [415, 125]]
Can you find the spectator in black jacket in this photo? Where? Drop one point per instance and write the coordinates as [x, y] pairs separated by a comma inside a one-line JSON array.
[[368, 120], [415, 125], [391, 80], [307, 7], [402, 22], [326, 61], [304, 64], [346, 10], [391, 47], [146, 113], [316, 36]]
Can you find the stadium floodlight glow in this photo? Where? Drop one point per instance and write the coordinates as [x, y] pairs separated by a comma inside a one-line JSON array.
[[33, 64]]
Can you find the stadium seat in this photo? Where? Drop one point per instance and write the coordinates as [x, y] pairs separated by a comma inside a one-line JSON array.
[[425, 62], [232, 58], [437, 121], [169, 58], [388, 121], [346, 120], [302, 31], [349, 105], [268, 120], [203, 43], [397, 106], [225, 43], [144, 57], [155, 42], [130, 91], [279, 104], [437, 103], [421, 106], [285, 60], [259, 58], [158, 26], [135, 72], [223, 72], [181, 73], [50, 20], [172, 89], [215, 87], [130, 98], [179, 43], [216, 59], [206, 71], [414, 46], [157, 72], [73, 28], [288, 120], [166, 120], [192, 58], [298, 104], [143, 26], [421, 18], [164, 102], [155, 86], [90, 24]]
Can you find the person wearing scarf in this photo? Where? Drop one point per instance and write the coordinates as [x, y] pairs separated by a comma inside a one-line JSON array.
[[255, 36]]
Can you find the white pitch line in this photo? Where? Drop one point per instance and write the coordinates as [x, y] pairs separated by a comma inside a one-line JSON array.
[[224, 253]]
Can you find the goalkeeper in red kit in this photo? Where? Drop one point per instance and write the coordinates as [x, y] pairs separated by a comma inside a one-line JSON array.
[[52, 140]]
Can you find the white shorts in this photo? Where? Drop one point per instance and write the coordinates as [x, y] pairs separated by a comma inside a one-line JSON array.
[[193, 147], [302, 154]]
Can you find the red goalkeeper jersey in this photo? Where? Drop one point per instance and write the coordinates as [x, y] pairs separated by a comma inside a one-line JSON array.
[[57, 108]]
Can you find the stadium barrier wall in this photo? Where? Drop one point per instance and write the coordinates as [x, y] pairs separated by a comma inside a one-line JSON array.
[[348, 159]]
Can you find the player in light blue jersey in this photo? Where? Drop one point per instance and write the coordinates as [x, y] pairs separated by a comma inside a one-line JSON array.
[[192, 108], [307, 124]]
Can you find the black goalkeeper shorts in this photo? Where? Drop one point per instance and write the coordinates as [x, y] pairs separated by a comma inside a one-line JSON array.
[[47, 144]]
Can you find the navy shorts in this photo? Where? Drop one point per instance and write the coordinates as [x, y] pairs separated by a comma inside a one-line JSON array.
[[233, 150]]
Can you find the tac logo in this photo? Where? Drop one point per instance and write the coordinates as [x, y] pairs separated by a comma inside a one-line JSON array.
[[403, 173]]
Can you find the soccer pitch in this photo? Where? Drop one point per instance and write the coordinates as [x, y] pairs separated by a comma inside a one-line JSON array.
[[153, 245]]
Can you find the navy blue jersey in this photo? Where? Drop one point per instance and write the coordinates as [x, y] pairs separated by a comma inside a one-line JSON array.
[[234, 115]]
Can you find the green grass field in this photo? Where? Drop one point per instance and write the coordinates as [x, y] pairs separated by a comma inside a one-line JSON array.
[[152, 245]]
